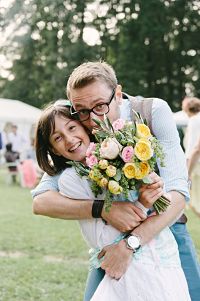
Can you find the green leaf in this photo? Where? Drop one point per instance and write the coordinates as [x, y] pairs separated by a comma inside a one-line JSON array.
[[118, 176], [147, 180]]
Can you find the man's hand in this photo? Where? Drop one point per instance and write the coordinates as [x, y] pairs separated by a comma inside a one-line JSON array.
[[113, 264], [149, 193], [123, 216]]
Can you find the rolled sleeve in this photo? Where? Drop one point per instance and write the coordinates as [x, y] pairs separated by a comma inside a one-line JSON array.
[[47, 183], [174, 173]]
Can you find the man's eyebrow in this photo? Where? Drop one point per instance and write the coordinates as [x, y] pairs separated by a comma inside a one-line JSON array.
[[84, 106]]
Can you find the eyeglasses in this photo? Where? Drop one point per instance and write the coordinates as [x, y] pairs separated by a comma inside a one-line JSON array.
[[99, 110]]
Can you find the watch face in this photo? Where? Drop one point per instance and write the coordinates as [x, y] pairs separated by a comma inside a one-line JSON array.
[[133, 242]]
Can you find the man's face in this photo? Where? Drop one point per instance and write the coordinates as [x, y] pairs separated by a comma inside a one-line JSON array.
[[92, 95]]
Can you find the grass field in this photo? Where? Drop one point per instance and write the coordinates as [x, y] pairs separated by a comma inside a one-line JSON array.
[[41, 258]]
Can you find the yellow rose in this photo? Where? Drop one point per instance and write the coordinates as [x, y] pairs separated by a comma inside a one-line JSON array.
[[145, 140], [142, 171], [129, 170], [95, 175], [111, 171], [103, 183], [142, 131], [114, 187], [103, 164], [143, 150]]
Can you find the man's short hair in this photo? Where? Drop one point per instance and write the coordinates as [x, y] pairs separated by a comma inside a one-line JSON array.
[[90, 72]]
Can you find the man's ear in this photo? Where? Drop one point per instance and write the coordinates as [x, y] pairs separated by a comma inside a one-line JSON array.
[[118, 94]]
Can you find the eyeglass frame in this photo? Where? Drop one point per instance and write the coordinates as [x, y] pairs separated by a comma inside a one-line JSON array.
[[92, 110]]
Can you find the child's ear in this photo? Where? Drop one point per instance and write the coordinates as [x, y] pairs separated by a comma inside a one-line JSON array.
[[118, 94]]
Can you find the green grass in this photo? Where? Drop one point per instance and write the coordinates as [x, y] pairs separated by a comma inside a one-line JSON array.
[[42, 258]]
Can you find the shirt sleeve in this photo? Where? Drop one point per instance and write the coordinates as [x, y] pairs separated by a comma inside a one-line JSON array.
[[174, 173], [71, 185], [46, 183], [193, 134]]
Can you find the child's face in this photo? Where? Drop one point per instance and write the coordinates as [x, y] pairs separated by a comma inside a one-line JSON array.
[[69, 139]]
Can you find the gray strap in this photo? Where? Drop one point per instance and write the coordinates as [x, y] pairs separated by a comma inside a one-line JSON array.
[[144, 107]]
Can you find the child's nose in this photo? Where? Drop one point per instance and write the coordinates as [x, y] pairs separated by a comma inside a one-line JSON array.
[[68, 138]]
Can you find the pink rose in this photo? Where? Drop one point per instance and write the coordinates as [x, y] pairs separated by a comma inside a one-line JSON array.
[[118, 124], [127, 153], [91, 160], [91, 149]]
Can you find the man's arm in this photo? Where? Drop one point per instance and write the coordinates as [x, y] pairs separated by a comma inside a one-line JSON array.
[[153, 225], [53, 204], [113, 264], [48, 201]]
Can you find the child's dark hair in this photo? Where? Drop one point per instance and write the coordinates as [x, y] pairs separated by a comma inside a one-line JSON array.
[[47, 160]]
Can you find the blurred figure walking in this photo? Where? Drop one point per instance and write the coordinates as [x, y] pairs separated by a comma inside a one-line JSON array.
[[192, 139]]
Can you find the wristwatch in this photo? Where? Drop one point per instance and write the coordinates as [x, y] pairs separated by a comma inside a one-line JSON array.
[[133, 242]]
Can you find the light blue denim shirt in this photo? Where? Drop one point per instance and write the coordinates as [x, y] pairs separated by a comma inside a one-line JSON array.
[[174, 174]]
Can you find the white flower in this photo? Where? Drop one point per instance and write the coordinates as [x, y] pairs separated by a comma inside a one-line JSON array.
[[110, 148]]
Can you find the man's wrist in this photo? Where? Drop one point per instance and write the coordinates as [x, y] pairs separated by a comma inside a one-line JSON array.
[[97, 208], [133, 242]]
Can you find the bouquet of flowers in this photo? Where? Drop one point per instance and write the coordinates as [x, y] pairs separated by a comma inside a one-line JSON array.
[[121, 160]]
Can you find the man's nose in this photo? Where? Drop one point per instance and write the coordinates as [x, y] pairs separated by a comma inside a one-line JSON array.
[[92, 117]]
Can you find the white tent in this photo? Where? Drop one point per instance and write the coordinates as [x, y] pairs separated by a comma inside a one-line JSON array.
[[19, 113]]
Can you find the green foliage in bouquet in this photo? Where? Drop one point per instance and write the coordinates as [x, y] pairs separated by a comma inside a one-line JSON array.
[[124, 155]]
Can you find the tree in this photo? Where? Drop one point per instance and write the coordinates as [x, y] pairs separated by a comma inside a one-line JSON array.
[[153, 46], [50, 47]]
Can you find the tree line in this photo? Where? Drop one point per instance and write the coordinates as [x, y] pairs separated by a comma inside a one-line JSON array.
[[153, 46]]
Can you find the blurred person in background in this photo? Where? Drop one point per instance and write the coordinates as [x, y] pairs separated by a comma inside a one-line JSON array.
[[192, 144], [5, 134], [19, 142], [193, 160], [12, 157], [1, 146]]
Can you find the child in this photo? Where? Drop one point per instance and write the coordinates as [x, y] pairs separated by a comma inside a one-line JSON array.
[[12, 157], [155, 271]]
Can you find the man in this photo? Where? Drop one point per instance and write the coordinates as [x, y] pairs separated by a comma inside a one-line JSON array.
[[93, 91]]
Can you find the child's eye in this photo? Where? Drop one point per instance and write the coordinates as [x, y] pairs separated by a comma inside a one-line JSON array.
[[57, 138], [72, 127]]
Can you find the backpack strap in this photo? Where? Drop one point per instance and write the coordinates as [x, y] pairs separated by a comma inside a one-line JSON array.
[[144, 107]]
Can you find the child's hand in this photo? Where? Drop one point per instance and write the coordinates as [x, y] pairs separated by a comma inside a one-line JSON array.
[[149, 193]]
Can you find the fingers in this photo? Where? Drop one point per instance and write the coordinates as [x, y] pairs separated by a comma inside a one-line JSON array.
[[138, 212], [116, 260], [157, 183], [114, 275], [149, 196]]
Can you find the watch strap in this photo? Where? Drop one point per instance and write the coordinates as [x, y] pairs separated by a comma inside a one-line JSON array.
[[97, 208]]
